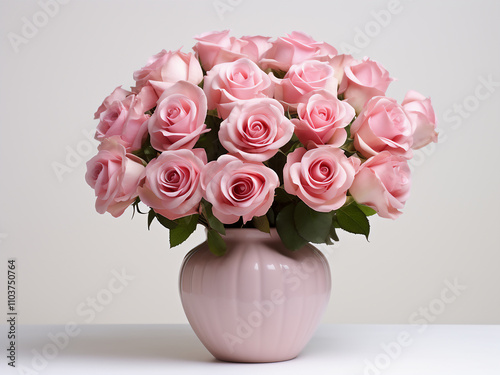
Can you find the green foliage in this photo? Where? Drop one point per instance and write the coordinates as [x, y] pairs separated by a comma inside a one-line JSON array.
[[210, 141], [277, 163], [167, 223], [216, 243], [185, 227], [298, 224], [211, 220], [313, 226], [287, 231], [368, 211], [262, 223], [352, 219], [151, 217]]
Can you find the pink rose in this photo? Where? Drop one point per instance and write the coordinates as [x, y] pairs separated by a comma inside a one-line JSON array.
[[383, 183], [115, 177], [383, 126], [421, 114], [124, 118], [256, 129], [172, 185], [228, 83], [217, 47], [169, 67], [295, 48], [237, 188], [117, 95], [338, 63], [322, 119], [320, 177], [302, 79], [178, 120], [362, 81]]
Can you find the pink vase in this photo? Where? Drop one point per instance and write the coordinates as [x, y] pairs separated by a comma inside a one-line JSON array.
[[260, 302]]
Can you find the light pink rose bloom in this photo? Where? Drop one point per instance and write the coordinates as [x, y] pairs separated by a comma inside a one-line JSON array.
[[172, 185], [383, 183], [295, 48], [421, 114], [302, 79], [383, 126], [169, 67], [123, 118], [238, 188], [322, 119], [178, 120], [217, 47], [230, 82], [320, 177], [338, 63], [117, 95], [362, 81], [255, 129], [115, 177]]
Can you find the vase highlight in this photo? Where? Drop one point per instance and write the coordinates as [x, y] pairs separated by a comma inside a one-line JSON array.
[[260, 302]]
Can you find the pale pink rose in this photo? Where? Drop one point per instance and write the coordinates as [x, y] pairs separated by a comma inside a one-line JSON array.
[[362, 81], [217, 47], [172, 184], [147, 98], [421, 114], [383, 126], [238, 188], [230, 82], [126, 119], [383, 183], [322, 119], [255, 129], [178, 120], [115, 177], [302, 79], [338, 63], [254, 46], [295, 48], [169, 67], [117, 95], [320, 177]]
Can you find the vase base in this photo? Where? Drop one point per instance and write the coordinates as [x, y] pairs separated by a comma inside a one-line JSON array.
[[247, 360]]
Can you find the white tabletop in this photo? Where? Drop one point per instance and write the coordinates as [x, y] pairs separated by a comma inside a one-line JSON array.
[[334, 349]]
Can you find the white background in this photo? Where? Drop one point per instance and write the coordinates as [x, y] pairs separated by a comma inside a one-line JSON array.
[[66, 252]]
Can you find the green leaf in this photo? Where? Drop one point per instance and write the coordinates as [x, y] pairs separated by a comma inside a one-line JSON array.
[[333, 234], [213, 222], [261, 223], [271, 217], [210, 141], [138, 209], [368, 211], [277, 163], [352, 219], [216, 243], [281, 196], [312, 225], [286, 229], [185, 227], [167, 223], [151, 217]]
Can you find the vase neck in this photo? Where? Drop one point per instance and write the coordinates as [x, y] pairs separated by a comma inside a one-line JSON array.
[[250, 233]]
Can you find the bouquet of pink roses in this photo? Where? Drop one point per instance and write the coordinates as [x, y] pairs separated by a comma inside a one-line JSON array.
[[254, 132]]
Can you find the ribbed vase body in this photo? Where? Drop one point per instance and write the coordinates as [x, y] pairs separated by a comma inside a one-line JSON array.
[[260, 302]]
